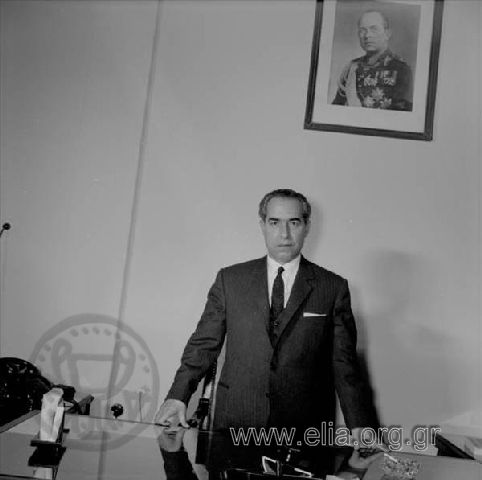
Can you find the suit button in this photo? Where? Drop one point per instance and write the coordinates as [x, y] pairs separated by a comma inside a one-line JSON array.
[[267, 395]]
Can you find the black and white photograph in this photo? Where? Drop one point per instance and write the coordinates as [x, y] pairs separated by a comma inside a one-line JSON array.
[[240, 239], [382, 59], [382, 76]]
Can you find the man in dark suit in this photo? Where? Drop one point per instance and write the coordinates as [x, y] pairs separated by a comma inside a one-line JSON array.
[[290, 337]]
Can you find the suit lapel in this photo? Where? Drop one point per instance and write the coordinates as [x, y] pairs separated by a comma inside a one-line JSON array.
[[258, 291], [301, 288]]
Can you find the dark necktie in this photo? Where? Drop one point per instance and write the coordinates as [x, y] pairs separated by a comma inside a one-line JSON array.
[[277, 300]]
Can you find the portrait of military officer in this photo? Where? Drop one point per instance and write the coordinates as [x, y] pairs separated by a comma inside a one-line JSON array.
[[380, 78], [289, 334]]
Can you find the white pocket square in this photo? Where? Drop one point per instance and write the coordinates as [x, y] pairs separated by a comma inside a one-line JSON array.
[[311, 314]]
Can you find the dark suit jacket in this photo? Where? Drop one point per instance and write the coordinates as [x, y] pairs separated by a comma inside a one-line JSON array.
[[293, 381]]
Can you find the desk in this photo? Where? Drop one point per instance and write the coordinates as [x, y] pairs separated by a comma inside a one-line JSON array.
[[97, 448], [108, 449], [12, 418]]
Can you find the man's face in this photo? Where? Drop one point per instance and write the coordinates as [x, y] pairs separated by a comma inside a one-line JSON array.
[[284, 229], [372, 33]]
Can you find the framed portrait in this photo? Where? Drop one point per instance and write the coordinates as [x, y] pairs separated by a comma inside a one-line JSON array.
[[374, 67]]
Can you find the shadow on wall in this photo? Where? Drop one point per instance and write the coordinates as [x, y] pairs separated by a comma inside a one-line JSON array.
[[409, 349], [315, 235]]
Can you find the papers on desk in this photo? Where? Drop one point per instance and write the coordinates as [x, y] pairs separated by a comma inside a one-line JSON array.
[[440, 468], [334, 477], [51, 415], [44, 473], [466, 430], [473, 446]]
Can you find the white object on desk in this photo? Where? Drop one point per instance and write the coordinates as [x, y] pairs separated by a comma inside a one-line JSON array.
[[51, 415], [468, 424]]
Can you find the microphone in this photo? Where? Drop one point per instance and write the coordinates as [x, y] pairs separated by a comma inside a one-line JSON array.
[[5, 226]]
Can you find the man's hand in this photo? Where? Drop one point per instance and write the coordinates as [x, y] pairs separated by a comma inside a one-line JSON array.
[[171, 414], [357, 462], [366, 448], [170, 440], [358, 440]]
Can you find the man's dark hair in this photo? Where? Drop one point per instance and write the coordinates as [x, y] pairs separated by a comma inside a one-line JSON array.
[[285, 193], [386, 22]]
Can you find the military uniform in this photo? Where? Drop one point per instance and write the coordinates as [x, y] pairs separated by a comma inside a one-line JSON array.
[[387, 84]]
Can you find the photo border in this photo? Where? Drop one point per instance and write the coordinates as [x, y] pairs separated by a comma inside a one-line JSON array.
[[426, 133]]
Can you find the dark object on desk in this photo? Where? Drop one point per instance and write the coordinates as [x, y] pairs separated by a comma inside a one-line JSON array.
[[202, 417], [82, 407], [238, 474], [448, 449], [22, 387], [229, 461], [49, 471], [221, 455], [69, 392], [47, 454], [200, 414], [117, 410]]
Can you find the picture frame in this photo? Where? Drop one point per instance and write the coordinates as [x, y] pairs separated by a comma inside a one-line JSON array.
[[374, 66]]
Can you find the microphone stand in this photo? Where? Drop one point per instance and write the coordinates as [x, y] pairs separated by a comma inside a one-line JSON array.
[[5, 227]]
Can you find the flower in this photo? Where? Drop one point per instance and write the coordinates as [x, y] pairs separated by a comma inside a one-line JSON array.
[[368, 102]]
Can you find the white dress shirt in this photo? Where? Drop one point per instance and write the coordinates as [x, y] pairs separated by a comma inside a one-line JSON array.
[[289, 274]]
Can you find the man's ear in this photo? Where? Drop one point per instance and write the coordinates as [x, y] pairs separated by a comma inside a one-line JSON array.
[[308, 226], [262, 224]]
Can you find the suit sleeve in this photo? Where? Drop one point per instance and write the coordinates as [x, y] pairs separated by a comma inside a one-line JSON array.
[[177, 466], [353, 390], [204, 345]]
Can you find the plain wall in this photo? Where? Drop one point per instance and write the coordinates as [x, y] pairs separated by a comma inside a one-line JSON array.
[[74, 78], [400, 219]]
